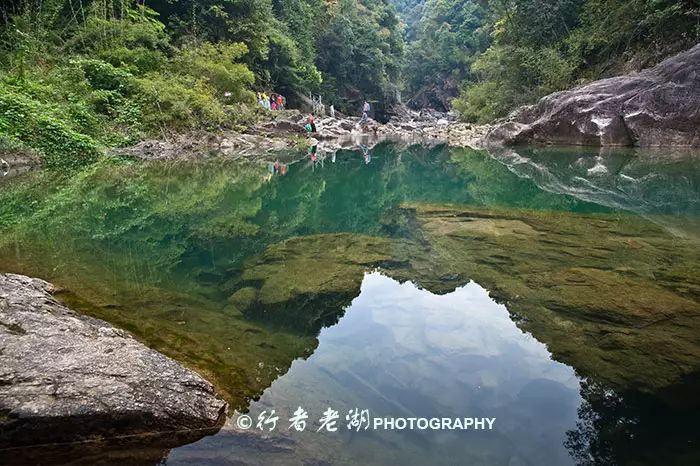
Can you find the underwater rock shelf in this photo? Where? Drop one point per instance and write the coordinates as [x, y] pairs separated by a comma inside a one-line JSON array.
[[614, 296], [308, 281]]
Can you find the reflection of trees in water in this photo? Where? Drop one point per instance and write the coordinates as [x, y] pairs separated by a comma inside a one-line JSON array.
[[633, 428], [600, 421]]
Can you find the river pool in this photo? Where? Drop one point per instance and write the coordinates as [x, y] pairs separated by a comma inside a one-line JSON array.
[[554, 293]]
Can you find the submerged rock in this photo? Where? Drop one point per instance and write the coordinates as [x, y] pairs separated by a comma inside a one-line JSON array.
[[659, 106], [307, 282], [616, 297], [14, 162], [67, 377]]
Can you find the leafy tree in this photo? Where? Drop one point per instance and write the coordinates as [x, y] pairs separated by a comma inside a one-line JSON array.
[[410, 12], [541, 46], [246, 21], [360, 53], [450, 34]]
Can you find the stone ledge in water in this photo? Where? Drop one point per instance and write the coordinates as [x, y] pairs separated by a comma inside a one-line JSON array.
[[308, 281], [66, 377], [14, 162], [612, 295]]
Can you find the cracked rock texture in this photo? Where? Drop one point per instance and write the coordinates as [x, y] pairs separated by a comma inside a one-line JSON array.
[[656, 107], [66, 377]]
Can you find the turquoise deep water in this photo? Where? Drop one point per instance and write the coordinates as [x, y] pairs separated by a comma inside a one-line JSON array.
[[259, 276]]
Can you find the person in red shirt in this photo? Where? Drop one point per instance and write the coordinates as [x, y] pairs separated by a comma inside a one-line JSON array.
[[312, 123]]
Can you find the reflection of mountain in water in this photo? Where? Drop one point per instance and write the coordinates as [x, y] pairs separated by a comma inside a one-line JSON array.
[[661, 185]]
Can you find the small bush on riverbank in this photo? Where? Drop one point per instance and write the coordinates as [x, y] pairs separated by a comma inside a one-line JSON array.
[[44, 128], [174, 103]]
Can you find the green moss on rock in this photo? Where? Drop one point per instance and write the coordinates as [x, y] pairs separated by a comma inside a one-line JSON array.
[[614, 296], [244, 298], [308, 281]]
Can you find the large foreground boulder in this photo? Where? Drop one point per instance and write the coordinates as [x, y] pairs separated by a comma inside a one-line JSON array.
[[66, 377], [657, 107]]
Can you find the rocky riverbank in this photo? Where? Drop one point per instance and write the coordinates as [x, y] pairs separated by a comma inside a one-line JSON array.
[[658, 107], [69, 378], [286, 133]]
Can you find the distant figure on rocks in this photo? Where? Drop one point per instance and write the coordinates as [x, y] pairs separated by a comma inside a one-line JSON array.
[[312, 123], [280, 102], [365, 112], [332, 111]]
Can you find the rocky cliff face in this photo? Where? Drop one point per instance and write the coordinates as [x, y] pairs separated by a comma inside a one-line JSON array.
[[657, 107], [66, 377]]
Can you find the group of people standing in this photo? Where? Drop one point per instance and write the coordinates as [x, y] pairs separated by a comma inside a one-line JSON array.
[[310, 125], [273, 102]]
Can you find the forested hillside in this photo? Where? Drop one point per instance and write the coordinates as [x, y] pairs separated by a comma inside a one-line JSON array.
[[498, 54], [79, 75]]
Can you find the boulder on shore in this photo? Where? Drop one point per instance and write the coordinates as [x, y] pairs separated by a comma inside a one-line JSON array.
[[65, 377], [656, 107]]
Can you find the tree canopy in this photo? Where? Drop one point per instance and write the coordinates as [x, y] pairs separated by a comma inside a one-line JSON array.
[[77, 75], [499, 54]]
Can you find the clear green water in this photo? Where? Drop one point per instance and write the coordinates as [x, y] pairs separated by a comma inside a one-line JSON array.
[[403, 352], [518, 313]]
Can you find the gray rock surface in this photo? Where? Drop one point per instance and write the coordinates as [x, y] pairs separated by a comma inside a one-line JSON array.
[[66, 377], [656, 107], [286, 132], [16, 162]]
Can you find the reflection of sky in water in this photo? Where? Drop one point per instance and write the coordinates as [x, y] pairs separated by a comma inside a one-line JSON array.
[[404, 352]]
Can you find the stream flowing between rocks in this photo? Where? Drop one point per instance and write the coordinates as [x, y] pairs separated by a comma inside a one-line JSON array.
[[556, 290]]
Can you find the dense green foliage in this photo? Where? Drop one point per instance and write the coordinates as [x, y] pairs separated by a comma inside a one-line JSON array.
[[448, 37], [80, 75], [360, 52], [77, 77], [503, 53]]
